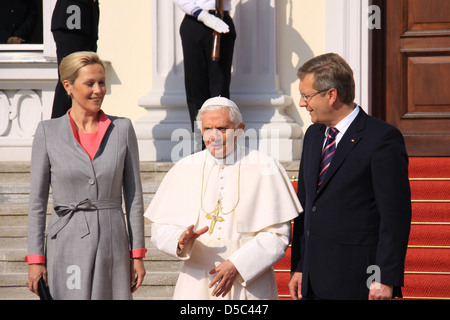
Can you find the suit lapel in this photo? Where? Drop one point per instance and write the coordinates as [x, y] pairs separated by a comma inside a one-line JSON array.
[[350, 139], [67, 134]]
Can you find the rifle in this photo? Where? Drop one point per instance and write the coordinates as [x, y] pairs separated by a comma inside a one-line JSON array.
[[215, 54]]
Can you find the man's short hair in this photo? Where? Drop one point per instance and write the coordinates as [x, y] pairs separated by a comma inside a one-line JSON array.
[[331, 71]]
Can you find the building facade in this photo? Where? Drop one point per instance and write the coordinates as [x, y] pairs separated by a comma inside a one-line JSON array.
[[142, 47]]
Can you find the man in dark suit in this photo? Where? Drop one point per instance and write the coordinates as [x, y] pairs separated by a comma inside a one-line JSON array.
[[75, 28], [351, 241]]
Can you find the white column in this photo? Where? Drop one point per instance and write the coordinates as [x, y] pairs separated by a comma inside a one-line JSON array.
[[164, 133], [348, 36], [255, 83], [167, 113], [49, 42]]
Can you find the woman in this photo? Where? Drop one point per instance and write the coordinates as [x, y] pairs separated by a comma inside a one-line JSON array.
[[88, 158]]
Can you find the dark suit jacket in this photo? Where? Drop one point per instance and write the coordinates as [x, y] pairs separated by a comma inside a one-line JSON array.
[[89, 16], [361, 214]]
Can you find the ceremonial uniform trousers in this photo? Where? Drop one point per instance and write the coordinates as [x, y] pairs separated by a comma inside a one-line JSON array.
[[88, 241], [72, 35], [203, 77]]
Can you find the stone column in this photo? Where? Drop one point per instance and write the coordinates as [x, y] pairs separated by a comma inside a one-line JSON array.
[[164, 133], [166, 107]]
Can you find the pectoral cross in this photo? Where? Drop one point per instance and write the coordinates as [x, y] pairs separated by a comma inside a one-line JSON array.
[[214, 217]]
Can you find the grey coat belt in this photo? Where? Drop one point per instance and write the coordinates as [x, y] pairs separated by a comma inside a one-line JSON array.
[[66, 212]]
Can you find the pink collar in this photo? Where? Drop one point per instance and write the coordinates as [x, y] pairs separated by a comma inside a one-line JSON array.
[[103, 125]]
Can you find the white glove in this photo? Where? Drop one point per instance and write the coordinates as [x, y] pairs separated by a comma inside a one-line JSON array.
[[213, 22]]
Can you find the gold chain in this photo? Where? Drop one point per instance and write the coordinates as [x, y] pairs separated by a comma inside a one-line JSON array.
[[219, 203]]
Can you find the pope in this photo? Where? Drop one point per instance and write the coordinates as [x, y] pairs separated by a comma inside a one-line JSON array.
[[226, 211]]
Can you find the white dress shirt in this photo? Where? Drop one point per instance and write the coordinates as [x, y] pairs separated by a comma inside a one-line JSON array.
[[343, 125]]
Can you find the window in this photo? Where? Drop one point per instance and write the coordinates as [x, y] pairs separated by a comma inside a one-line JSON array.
[[21, 25]]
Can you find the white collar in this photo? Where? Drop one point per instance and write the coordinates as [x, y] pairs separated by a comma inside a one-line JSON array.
[[230, 159], [343, 125]]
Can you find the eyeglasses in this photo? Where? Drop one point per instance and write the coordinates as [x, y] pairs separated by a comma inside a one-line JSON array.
[[309, 96]]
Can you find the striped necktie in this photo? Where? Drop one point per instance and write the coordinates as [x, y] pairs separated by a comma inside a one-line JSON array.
[[327, 154]]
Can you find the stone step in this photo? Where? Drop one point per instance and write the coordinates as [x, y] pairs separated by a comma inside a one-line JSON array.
[[158, 283], [163, 278], [24, 166], [13, 240], [13, 279], [151, 172], [147, 167], [20, 242], [17, 231], [24, 188], [16, 194], [13, 243], [11, 209], [16, 214], [12, 262], [151, 263], [17, 293], [11, 178], [7, 254], [154, 293], [13, 231], [20, 171], [145, 292], [162, 270]]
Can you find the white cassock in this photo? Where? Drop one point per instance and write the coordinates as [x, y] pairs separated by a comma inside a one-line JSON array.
[[253, 236]]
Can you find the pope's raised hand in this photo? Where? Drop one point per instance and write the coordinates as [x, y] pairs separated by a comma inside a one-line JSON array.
[[189, 236]]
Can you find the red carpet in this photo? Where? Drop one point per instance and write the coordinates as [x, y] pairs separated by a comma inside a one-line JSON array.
[[427, 265]]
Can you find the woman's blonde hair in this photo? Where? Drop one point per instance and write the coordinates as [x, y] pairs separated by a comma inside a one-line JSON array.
[[71, 64]]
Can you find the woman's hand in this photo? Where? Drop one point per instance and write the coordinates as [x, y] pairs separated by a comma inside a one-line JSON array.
[[35, 272], [137, 273]]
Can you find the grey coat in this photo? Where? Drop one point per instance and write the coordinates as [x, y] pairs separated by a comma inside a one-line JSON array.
[[87, 243]]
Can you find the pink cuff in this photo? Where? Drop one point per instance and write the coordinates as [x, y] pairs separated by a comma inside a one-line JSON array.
[[35, 259], [138, 253], [40, 259]]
